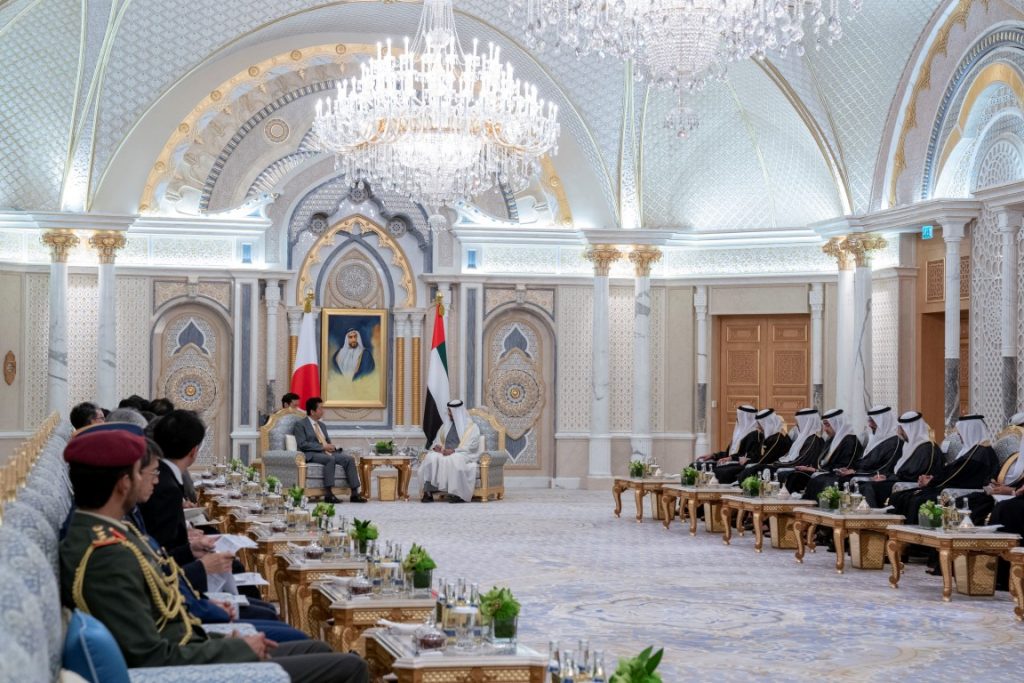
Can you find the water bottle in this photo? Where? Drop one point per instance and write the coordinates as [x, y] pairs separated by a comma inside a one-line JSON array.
[[554, 666]]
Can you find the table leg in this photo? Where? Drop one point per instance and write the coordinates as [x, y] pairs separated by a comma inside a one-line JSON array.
[[656, 504], [1017, 584], [726, 515], [404, 475], [946, 565], [364, 477], [758, 531], [638, 494], [691, 506], [668, 510], [839, 537], [812, 535], [894, 548], [740, 516], [799, 528], [617, 495]]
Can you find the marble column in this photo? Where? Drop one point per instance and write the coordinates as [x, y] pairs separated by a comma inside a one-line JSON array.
[[702, 446], [272, 299], [107, 243], [60, 243], [294, 314], [952, 234], [862, 246], [642, 257], [816, 301], [836, 248], [600, 465], [1009, 223]]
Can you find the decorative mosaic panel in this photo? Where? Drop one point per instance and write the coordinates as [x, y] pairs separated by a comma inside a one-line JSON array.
[[885, 341], [620, 358], [575, 331], [133, 335], [658, 342], [83, 327], [36, 340], [515, 388], [986, 364], [198, 251], [935, 280]]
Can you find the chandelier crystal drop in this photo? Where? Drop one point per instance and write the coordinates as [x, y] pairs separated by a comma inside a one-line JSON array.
[[434, 123], [681, 45]]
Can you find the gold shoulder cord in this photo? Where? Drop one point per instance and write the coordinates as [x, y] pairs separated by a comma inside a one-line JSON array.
[[163, 589], [970, 454]]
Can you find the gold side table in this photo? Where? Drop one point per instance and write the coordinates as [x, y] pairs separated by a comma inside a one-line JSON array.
[[866, 532], [691, 498], [967, 557], [393, 654], [778, 511], [641, 486], [295, 577], [1015, 556], [268, 545], [340, 620], [403, 463]]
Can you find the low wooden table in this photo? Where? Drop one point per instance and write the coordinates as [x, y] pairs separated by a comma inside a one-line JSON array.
[[268, 544], [779, 512], [387, 653], [403, 463], [692, 497], [641, 487], [866, 531], [295, 577], [352, 616], [970, 557], [1015, 556]]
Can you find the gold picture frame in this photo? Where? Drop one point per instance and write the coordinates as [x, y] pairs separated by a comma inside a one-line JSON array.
[[354, 369]]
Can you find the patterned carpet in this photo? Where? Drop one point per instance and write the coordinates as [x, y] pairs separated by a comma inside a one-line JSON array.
[[722, 613]]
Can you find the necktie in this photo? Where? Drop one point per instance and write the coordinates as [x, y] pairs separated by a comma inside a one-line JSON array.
[[319, 434]]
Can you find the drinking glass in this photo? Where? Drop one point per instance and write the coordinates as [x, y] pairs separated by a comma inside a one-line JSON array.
[[582, 655]]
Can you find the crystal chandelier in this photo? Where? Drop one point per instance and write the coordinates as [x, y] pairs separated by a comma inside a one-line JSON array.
[[434, 123], [680, 44]]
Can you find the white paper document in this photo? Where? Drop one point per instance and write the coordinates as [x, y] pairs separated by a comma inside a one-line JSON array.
[[250, 579], [232, 543]]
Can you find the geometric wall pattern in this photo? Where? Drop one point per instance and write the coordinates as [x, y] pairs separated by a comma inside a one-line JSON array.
[[885, 342], [620, 362], [575, 331]]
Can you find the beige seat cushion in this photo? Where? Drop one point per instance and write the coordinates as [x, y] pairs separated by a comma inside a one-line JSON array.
[[289, 443]]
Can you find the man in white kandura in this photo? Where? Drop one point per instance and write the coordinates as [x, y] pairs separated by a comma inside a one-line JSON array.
[[451, 463]]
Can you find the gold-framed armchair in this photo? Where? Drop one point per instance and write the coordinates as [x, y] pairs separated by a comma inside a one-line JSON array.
[[280, 457], [490, 478]]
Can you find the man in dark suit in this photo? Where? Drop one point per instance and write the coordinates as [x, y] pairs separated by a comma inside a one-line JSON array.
[[312, 439]]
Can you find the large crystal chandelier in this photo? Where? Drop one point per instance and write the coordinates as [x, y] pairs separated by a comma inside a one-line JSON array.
[[434, 123], [680, 44]]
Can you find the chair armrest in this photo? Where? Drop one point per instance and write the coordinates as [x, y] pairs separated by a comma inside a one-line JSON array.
[[903, 486], [257, 672], [956, 493], [280, 464], [497, 458]]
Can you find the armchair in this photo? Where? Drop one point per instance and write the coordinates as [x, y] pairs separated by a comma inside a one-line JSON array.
[[490, 477], [280, 457]]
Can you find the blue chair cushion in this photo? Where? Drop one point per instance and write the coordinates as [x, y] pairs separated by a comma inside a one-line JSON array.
[[91, 651]]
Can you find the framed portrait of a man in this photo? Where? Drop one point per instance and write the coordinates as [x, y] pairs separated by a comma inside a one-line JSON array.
[[353, 357]]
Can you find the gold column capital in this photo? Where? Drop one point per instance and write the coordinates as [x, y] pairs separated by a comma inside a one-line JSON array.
[[107, 243], [60, 242], [862, 245], [836, 248], [642, 257], [602, 256]]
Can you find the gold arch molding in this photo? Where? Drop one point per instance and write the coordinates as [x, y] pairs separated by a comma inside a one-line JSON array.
[[348, 225]]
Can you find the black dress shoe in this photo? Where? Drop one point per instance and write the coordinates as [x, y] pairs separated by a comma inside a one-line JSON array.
[[356, 498], [427, 498], [455, 499], [333, 499]]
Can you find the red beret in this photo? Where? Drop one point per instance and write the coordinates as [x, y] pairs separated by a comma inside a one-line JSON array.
[[106, 448]]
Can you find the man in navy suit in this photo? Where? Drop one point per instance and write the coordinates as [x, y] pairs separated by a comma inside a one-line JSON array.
[[312, 439]]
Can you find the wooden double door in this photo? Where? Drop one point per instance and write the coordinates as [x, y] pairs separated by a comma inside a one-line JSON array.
[[763, 361]]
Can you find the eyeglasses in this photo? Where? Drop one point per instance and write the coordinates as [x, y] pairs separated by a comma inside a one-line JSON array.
[[155, 473]]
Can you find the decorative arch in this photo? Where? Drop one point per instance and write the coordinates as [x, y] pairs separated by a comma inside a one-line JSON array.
[[351, 225]]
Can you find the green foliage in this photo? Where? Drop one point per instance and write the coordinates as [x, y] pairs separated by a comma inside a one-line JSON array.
[[830, 493], [295, 493], [363, 530], [418, 560], [499, 603], [637, 468], [639, 669], [251, 473], [323, 510], [236, 465], [752, 485], [384, 447], [932, 511], [273, 482]]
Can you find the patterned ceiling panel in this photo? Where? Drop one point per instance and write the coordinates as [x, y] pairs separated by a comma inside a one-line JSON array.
[[9, 11], [39, 55], [858, 77]]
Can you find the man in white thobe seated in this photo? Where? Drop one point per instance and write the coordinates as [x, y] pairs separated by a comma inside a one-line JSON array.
[[451, 463]]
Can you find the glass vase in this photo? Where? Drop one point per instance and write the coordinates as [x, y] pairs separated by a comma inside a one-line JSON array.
[[503, 631]]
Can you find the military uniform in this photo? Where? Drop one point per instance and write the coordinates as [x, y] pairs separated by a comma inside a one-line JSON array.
[[111, 572]]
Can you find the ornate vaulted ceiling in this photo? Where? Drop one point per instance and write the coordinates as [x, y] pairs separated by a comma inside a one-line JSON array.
[[93, 90]]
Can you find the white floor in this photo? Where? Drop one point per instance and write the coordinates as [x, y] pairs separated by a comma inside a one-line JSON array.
[[722, 613]]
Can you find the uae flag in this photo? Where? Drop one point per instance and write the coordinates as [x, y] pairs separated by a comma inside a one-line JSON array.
[[436, 405], [306, 376]]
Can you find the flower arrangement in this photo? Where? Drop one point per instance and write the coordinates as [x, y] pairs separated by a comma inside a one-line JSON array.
[[236, 465], [689, 476], [637, 468], [501, 609], [418, 560], [751, 485], [272, 483], [387, 447], [323, 510], [829, 498], [295, 493], [363, 530], [929, 514], [251, 473], [639, 669]]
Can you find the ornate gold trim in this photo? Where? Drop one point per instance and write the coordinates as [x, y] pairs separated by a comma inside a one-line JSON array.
[[417, 383], [642, 257], [107, 243], [862, 245], [836, 248], [399, 380], [60, 243], [550, 179], [386, 241], [271, 421], [492, 420], [602, 256]]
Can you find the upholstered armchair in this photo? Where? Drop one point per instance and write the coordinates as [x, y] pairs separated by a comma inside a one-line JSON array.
[[1007, 448], [280, 457], [490, 477]]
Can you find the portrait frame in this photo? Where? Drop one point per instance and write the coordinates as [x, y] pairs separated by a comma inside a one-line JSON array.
[[360, 387]]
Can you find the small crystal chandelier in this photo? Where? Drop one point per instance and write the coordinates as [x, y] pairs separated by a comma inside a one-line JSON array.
[[680, 44], [434, 123]]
